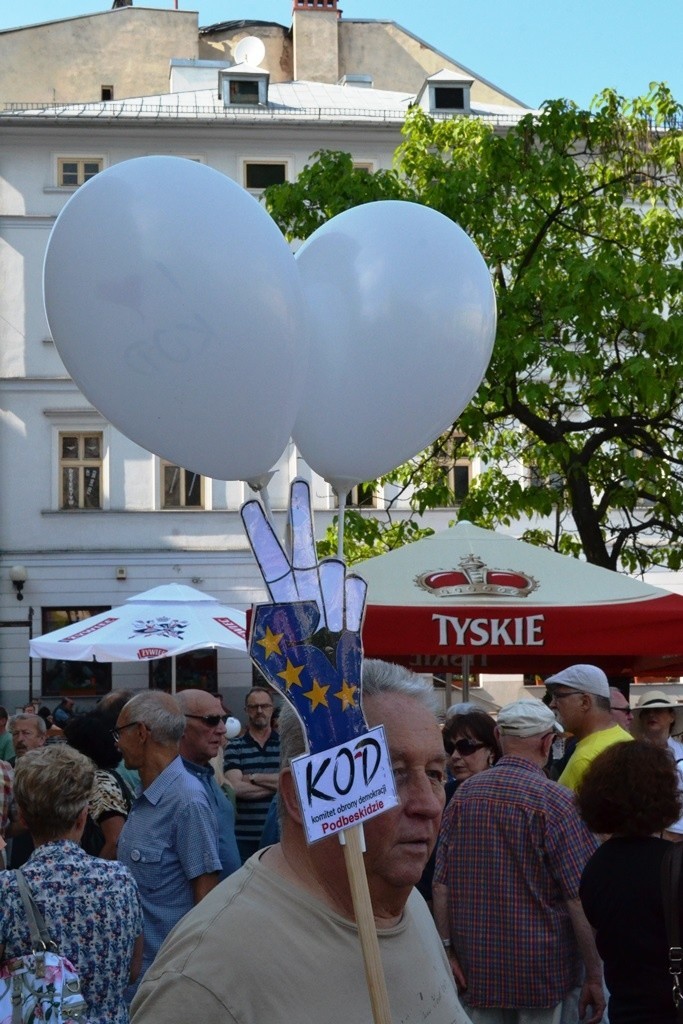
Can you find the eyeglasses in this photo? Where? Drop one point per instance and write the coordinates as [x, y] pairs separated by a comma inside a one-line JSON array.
[[210, 720], [561, 696], [259, 707], [466, 747], [626, 710], [119, 729]]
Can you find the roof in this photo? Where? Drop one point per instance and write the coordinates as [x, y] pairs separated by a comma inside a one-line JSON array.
[[288, 101]]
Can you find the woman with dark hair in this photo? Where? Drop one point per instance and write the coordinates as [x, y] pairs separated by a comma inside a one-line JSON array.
[[111, 798], [630, 792], [469, 739]]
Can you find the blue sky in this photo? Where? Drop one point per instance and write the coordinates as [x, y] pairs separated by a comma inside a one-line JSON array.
[[534, 49]]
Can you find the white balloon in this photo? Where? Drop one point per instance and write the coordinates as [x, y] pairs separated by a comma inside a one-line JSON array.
[[403, 321], [176, 306], [233, 728]]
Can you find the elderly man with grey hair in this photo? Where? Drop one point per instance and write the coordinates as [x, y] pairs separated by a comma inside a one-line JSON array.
[[288, 911], [169, 842]]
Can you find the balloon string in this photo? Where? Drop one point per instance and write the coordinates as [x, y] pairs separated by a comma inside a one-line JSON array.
[[265, 500], [341, 500]]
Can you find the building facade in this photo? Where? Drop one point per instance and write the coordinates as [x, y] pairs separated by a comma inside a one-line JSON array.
[[88, 517]]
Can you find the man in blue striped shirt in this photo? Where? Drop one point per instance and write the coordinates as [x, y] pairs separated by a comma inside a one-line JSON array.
[[252, 765]]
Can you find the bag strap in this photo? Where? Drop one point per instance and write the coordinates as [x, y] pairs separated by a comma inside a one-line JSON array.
[[40, 936], [671, 875]]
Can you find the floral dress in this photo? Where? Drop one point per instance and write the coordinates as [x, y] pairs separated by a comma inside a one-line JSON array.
[[92, 911]]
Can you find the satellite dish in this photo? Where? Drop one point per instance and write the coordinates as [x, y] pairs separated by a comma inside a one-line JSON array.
[[250, 50]]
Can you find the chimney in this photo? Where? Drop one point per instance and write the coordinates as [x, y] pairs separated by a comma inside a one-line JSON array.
[[316, 40]]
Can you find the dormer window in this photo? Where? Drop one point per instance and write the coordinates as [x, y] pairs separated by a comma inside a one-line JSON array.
[[445, 93], [449, 97], [243, 86], [243, 92]]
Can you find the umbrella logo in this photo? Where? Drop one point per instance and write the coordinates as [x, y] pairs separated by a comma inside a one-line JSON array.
[[173, 629], [474, 577]]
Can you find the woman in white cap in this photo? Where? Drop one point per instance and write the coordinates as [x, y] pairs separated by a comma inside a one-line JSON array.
[[657, 717]]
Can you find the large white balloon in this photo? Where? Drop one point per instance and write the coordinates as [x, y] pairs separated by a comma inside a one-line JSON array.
[[403, 323], [176, 307]]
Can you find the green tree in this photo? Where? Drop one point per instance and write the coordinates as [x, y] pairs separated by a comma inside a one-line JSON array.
[[579, 419]]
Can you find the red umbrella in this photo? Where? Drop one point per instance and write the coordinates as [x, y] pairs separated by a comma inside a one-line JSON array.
[[511, 607]]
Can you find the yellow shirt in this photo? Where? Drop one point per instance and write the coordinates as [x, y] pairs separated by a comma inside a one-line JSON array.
[[587, 749]]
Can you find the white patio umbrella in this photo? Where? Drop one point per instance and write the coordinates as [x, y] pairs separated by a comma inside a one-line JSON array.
[[159, 623]]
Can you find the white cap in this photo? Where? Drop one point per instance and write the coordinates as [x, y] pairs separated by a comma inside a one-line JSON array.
[[585, 678], [527, 717]]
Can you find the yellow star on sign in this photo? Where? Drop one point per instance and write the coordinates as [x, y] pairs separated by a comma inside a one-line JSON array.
[[317, 695], [291, 675], [271, 642], [345, 695]]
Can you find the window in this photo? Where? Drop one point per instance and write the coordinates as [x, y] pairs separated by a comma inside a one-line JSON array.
[[362, 496], [459, 475], [74, 171], [457, 471], [80, 470], [449, 98], [196, 670], [72, 678], [181, 488], [244, 91], [106, 93], [258, 176]]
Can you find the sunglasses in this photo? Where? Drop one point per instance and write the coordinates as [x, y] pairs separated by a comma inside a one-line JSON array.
[[210, 720], [466, 747]]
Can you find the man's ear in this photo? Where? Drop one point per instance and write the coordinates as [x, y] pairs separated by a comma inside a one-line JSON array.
[[287, 791], [546, 743]]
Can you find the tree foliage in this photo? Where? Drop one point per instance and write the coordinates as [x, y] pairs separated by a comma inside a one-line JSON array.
[[578, 215]]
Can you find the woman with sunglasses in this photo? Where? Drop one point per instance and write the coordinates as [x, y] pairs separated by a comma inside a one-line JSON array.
[[469, 738]]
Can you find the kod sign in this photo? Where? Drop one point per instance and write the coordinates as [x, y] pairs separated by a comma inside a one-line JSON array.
[[345, 785]]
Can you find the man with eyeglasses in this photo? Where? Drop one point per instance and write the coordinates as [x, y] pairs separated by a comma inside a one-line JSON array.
[[251, 767], [289, 910], [580, 697], [169, 841], [202, 741], [621, 709], [511, 852]]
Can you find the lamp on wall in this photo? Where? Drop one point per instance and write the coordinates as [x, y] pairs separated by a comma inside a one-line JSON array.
[[18, 575]]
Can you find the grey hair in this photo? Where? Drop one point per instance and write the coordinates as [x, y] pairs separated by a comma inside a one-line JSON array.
[[52, 785], [24, 716], [379, 677], [160, 712]]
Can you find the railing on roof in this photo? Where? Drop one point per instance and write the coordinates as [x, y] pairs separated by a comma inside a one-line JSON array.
[[125, 110]]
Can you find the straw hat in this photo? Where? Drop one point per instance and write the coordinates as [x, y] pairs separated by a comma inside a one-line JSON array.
[[651, 701]]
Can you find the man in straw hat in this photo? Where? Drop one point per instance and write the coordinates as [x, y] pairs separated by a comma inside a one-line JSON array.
[[657, 718], [511, 851]]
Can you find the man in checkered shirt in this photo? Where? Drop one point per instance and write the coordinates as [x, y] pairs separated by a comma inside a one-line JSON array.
[[511, 852]]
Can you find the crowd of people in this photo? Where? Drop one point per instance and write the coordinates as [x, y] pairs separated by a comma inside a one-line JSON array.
[[172, 866]]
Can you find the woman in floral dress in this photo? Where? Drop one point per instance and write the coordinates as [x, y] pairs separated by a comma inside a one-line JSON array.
[[91, 906]]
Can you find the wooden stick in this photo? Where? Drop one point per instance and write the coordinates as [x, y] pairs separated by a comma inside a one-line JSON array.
[[352, 843]]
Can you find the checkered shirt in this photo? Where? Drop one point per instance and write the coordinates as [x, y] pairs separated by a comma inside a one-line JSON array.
[[511, 852]]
